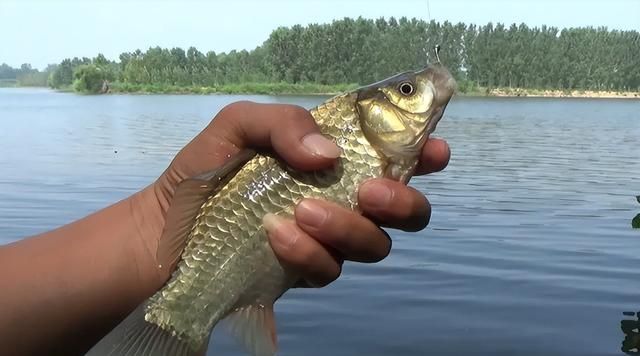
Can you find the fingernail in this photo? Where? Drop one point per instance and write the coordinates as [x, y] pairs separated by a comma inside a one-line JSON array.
[[375, 193], [280, 230], [320, 145], [311, 214]]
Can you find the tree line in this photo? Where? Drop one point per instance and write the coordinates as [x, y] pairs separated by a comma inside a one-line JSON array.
[[25, 76], [362, 51]]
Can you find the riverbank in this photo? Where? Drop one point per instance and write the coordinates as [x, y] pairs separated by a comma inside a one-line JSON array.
[[546, 93], [327, 90], [8, 83], [241, 88], [320, 89]]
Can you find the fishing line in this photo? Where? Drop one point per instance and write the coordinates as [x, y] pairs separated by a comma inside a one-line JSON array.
[[436, 49]]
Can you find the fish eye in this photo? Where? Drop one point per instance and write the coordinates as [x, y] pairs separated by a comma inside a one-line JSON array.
[[406, 88]]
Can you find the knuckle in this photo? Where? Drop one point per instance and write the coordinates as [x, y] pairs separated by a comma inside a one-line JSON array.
[[297, 110], [295, 113], [231, 110], [344, 230], [304, 255], [236, 105], [363, 241], [308, 260]]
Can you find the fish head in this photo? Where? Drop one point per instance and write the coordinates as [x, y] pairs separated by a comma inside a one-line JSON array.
[[398, 114]]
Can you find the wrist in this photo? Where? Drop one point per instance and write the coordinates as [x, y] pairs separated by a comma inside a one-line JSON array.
[[148, 216]]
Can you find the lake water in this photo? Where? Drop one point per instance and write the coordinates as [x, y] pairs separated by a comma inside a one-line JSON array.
[[529, 252]]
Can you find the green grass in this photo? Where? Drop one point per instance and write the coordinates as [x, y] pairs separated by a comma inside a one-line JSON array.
[[240, 88], [8, 83], [14, 83], [66, 89], [465, 88]]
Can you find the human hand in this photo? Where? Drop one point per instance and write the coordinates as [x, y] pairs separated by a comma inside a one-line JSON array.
[[323, 234]]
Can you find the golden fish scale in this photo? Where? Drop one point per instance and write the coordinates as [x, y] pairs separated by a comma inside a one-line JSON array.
[[228, 263]]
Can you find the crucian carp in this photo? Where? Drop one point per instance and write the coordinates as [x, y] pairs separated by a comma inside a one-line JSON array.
[[215, 235]]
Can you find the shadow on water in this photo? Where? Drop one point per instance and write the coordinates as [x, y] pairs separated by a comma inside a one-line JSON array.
[[635, 222], [631, 330], [631, 327]]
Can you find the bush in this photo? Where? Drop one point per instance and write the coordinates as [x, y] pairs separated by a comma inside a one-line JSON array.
[[89, 78]]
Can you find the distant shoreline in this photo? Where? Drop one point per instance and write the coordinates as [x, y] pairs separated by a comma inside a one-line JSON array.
[[313, 89], [498, 92], [310, 89], [591, 94], [280, 88]]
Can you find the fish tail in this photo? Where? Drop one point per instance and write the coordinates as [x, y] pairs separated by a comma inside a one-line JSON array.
[[135, 336]]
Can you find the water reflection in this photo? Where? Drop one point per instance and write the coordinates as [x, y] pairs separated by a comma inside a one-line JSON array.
[[635, 222], [631, 330]]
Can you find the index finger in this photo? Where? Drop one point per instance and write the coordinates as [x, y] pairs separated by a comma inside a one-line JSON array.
[[435, 156], [289, 129]]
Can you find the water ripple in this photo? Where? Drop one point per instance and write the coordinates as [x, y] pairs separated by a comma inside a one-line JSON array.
[[529, 250]]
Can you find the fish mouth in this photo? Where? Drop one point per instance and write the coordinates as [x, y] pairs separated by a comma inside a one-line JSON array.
[[433, 122], [445, 86]]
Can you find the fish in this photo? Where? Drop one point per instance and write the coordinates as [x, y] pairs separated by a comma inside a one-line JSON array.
[[225, 269]]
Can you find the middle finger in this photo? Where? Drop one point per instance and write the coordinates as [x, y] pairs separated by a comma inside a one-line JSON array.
[[395, 205], [353, 235]]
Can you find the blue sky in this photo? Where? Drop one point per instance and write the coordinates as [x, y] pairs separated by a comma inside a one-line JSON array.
[[42, 32]]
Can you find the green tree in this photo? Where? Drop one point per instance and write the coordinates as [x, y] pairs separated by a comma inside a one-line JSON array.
[[364, 50], [89, 78], [62, 76]]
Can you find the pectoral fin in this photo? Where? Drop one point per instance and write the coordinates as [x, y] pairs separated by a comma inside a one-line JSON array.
[[185, 205]]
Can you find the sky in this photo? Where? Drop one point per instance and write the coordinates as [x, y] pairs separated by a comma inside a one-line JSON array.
[[46, 31]]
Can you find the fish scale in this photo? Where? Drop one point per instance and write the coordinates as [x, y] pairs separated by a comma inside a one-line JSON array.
[[229, 231]]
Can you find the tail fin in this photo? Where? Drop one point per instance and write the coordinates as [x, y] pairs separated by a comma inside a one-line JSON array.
[[134, 336]]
